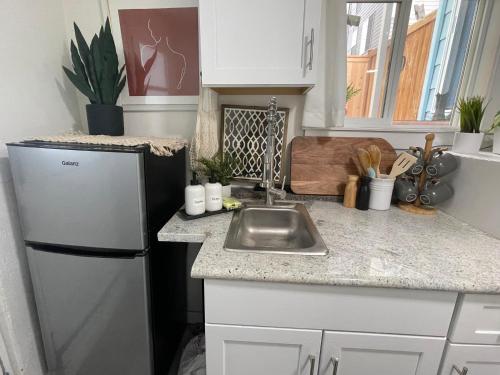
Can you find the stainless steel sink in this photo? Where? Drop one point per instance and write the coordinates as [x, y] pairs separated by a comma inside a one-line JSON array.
[[282, 229]]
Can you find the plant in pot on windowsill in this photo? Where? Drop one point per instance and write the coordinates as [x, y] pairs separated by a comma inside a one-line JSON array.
[[495, 128], [97, 75], [222, 167], [469, 139]]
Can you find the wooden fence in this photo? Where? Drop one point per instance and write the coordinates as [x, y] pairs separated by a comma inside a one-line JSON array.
[[360, 72]]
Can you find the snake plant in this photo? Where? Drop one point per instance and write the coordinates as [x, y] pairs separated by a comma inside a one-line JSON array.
[[96, 70], [471, 114]]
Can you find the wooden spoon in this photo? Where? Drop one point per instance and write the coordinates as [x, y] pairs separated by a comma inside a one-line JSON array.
[[376, 157], [402, 164], [364, 159]]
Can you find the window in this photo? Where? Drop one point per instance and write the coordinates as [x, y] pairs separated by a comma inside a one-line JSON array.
[[405, 60]]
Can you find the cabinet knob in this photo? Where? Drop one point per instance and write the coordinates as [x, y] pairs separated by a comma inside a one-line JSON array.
[[463, 371], [335, 364]]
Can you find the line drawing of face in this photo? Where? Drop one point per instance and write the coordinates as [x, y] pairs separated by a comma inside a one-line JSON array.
[[156, 42]]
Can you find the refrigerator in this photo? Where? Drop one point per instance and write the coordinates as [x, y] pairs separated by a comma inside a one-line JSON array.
[[89, 217]]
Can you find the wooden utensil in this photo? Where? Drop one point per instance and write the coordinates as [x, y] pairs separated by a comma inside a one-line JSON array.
[[364, 159], [351, 190], [320, 165], [376, 157], [429, 139], [402, 164]]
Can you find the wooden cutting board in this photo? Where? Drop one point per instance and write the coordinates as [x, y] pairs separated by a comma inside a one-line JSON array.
[[320, 165]]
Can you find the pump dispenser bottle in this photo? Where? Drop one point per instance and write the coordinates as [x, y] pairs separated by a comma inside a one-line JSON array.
[[194, 196], [213, 195]]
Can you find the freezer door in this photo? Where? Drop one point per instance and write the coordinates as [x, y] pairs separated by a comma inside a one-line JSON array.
[[93, 313], [80, 198]]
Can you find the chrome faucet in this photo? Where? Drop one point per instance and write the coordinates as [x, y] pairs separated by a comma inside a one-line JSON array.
[[268, 160]]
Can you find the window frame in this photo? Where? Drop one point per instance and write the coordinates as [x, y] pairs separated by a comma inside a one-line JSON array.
[[401, 22]]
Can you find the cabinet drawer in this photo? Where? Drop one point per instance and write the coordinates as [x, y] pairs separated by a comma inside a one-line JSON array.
[[479, 359], [333, 308], [477, 320]]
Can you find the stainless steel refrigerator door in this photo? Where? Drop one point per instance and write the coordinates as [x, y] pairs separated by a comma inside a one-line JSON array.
[[93, 313], [80, 198]]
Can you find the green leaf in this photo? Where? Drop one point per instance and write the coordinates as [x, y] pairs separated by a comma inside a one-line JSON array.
[[78, 65], [80, 84], [97, 68], [110, 46], [116, 88], [120, 87]]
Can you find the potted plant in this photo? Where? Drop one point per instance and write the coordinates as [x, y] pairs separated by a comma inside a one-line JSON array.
[[350, 93], [222, 167], [469, 139], [97, 75], [495, 128]]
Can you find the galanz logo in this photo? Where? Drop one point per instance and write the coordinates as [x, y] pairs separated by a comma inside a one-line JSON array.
[[71, 163]]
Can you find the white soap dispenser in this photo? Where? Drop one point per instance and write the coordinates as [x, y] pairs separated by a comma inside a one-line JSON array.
[[213, 195], [194, 196]]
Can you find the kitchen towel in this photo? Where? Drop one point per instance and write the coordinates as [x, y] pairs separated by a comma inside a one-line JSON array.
[[205, 143], [158, 146]]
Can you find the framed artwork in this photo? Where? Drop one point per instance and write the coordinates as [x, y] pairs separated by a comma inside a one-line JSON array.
[[158, 42]]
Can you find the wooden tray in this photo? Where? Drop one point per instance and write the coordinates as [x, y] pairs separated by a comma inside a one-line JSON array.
[[320, 165], [184, 216]]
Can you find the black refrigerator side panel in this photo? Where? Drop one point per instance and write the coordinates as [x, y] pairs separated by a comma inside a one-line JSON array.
[[169, 304], [165, 179]]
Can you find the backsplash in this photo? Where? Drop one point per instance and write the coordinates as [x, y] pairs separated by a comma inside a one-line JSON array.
[[476, 199]]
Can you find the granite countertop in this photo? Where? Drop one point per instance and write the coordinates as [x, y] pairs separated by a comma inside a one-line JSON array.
[[391, 248]]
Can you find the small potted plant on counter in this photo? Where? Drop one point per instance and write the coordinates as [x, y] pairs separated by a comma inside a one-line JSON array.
[[470, 138], [221, 166], [496, 133], [96, 74]]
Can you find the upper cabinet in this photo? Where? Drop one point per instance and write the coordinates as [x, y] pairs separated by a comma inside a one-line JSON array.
[[259, 42]]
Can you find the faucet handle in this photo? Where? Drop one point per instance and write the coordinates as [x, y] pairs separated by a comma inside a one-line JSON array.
[[283, 183]]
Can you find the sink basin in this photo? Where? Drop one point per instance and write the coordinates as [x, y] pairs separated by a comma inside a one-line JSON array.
[[281, 229]]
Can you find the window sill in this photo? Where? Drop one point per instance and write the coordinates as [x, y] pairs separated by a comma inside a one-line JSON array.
[[481, 155], [389, 129]]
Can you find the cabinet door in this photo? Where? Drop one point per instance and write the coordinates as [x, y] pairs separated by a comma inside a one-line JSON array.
[[259, 42], [479, 359], [365, 353], [237, 350]]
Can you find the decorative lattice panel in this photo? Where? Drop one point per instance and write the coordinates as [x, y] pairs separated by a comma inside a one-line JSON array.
[[244, 137]]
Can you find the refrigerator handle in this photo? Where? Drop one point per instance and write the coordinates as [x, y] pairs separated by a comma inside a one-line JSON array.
[[86, 251]]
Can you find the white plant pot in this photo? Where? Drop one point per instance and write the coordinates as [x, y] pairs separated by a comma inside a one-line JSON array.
[[496, 141], [468, 143], [226, 191]]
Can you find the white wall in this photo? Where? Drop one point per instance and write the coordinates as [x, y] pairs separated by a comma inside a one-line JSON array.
[[475, 184], [34, 100]]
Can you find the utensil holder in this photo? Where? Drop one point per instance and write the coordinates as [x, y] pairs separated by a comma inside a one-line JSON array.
[[381, 192]]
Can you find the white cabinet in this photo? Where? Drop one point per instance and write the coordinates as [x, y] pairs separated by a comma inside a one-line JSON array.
[[259, 42], [479, 360], [365, 353], [238, 350], [477, 320]]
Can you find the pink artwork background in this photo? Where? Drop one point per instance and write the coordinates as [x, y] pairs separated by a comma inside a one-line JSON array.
[[161, 51]]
